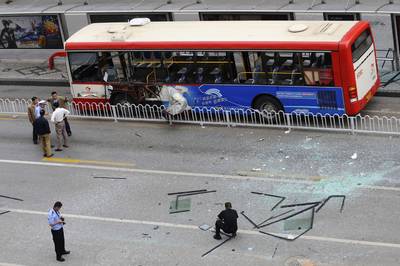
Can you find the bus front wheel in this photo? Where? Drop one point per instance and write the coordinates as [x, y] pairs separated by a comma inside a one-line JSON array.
[[268, 106]]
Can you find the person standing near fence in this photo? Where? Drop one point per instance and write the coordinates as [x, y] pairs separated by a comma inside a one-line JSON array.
[[43, 130], [62, 102], [58, 118], [40, 106], [56, 222], [32, 118]]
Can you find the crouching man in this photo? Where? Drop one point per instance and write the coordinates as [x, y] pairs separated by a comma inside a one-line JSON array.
[[227, 221]]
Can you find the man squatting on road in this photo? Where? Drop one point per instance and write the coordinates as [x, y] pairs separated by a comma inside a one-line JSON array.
[[56, 222], [227, 221]]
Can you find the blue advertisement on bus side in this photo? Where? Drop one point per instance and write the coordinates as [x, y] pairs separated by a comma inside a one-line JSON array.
[[302, 99]]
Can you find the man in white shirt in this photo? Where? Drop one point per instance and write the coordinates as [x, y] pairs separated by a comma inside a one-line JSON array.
[[58, 119]]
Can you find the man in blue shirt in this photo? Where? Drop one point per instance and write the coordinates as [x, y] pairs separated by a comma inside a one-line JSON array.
[[56, 222]]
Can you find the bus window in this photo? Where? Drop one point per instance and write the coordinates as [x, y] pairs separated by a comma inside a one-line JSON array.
[[84, 67], [106, 64], [216, 67], [317, 68], [180, 67], [285, 68], [361, 45], [143, 66], [257, 73], [119, 67]]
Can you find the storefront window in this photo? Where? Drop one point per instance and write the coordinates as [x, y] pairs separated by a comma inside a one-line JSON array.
[[30, 32], [126, 17]]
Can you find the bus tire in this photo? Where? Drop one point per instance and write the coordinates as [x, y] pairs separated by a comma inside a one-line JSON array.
[[122, 99], [269, 106]]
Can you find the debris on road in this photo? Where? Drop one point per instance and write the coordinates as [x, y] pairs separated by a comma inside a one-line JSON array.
[[8, 197], [109, 177], [292, 221], [204, 227], [183, 205], [354, 156]]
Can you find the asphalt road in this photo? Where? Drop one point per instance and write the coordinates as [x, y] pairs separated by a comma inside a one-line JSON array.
[[127, 221], [380, 106]]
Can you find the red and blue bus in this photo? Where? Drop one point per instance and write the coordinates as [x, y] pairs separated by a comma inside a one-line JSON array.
[[326, 67]]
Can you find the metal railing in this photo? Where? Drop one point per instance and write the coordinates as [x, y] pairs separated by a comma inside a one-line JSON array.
[[226, 117], [384, 56]]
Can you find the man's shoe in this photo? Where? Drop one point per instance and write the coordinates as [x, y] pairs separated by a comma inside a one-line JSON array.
[[51, 155], [35, 142], [218, 237], [233, 235], [60, 259], [69, 134], [66, 252], [66, 146], [58, 149]]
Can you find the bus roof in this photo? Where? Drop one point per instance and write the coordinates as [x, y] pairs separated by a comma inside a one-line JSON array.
[[210, 35]]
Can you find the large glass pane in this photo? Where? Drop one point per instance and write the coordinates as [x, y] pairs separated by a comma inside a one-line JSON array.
[[85, 67], [30, 32], [361, 45]]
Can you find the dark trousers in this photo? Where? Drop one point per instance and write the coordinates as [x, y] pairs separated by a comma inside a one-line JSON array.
[[59, 243], [220, 225], [34, 135], [67, 127]]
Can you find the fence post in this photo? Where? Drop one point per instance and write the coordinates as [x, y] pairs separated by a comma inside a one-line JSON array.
[[170, 117], [13, 106], [228, 119], [114, 112], [289, 125], [352, 127]]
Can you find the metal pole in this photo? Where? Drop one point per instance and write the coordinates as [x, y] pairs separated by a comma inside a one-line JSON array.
[[352, 125], [114, 112], [228, 120]]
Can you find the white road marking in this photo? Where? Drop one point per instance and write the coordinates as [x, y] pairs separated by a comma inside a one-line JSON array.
[[193, 227], [178, 173]]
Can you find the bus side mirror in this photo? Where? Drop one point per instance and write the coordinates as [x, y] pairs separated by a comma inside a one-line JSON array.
[[105, 77]]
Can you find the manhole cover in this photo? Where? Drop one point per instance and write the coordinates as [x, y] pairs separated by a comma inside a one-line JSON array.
[[299, 261]]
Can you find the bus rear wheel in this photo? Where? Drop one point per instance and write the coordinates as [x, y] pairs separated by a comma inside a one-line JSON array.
[[268, 106], [122, 99]]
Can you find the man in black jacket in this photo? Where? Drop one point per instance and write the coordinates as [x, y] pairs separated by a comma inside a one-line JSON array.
[[227, 221], [43, 130]]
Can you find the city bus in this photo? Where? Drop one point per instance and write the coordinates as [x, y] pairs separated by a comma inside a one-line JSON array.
[[326, 67]]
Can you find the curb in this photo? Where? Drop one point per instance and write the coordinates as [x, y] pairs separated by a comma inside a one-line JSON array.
[[387, 93], [36, 82]]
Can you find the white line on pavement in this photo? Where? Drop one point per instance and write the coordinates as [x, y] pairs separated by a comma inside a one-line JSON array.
[[177, 173], [193, 227]]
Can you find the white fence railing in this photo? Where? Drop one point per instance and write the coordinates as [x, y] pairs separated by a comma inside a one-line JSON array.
[[232, 117]]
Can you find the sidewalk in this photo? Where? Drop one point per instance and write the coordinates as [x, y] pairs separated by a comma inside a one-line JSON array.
[[32, 72], [36, 73]]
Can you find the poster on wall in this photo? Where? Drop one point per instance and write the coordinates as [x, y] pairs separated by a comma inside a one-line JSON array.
[[30, 32]]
